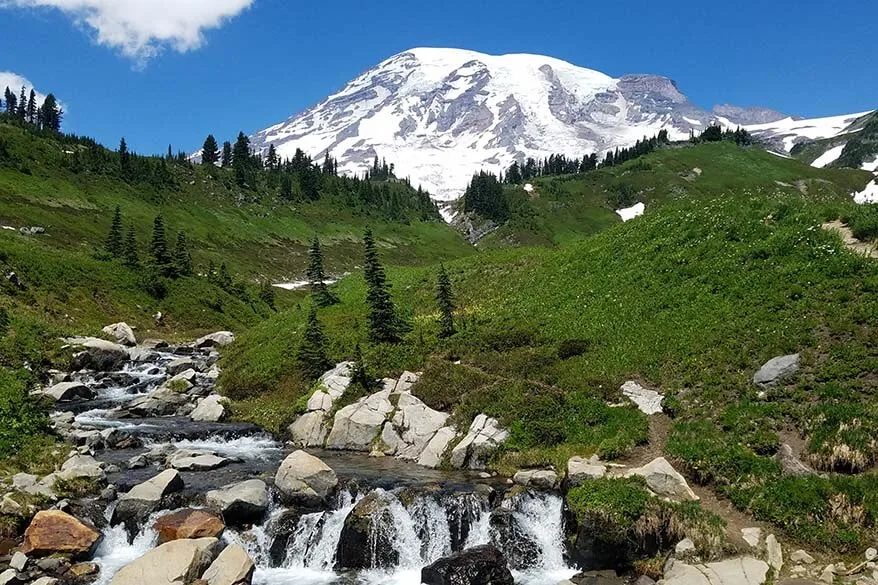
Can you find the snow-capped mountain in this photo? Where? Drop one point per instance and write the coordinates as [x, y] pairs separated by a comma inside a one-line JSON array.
[[441, 115]]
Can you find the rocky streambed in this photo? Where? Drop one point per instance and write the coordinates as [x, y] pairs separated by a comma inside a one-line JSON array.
[[163, 489]]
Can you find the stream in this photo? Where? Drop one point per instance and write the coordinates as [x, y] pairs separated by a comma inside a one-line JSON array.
[[427, 514]]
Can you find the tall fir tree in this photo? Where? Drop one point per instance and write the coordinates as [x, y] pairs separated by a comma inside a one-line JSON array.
[[385, 326], [242, 159], [311, 354], [21, 110], [445, 300], [10, 99], [132, 258], [158, 247], [317, 277], [50, 114], [114, 243], [226, 159], [182, 256], [32, 107], [210, 153], [124, 156]]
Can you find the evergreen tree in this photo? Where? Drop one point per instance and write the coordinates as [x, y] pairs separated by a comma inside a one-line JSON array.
[[271, 161], [312, 350], [384, 324], [124, 156], [360, 375], [32, 107], [158, 247], [11, 101], [317, 277], [50, 114], [445, 300], [132, 259], [286, 187], [21, 110], [114, 243], [266, 293], [210, 154], [226, 160], [242, 160], [182, 256]]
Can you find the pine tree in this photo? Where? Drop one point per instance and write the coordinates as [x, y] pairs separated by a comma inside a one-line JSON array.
[[11, 100], [286, 187], [50, 114], [210, 154], [242, 160], [32, 107], [226, 160], [266, 293], [114, 243], [21, 111], [124, 156], [182, 256], [132, 259], [384, 324], [360, 374], [312, 350], [445, 300], [317, 278], [158, 247]]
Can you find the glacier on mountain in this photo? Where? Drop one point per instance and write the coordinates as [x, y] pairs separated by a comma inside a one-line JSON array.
[[441, 115]]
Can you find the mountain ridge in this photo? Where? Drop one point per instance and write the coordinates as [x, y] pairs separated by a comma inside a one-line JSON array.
[[443, 114]]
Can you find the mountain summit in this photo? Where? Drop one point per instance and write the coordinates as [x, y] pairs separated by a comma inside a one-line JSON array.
[[442, 114]]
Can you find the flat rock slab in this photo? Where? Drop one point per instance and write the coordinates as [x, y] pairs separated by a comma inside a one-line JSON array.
[[647, 401], [777, 370]]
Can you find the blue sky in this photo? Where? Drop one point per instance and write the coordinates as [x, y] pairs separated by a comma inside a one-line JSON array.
[[170, 71]]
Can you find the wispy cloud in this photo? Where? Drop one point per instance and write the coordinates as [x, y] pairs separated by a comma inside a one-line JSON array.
[[142, 29], [15, 82]]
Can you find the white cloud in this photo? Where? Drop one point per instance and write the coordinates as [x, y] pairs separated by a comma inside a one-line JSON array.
[[15, 82], [141, 29]]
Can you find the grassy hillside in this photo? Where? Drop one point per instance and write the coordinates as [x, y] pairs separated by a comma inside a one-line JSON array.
[[562, 209], [691, 298], [64, 283]]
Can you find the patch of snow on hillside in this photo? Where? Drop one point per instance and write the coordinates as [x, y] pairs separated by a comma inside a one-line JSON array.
[[868, 195], [693, 122], [630, 213], [814, 129], [871, 166], [529, 188], [828, 157]]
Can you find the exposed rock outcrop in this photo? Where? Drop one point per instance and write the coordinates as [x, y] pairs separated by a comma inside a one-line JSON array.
[[121, 332], [664, 480], [484, 437], [97, 354], [240, 503], [143, 499], [739, 571]]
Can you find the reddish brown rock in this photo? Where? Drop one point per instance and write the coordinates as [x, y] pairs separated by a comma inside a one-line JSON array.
[[56, 532], [188, 524]]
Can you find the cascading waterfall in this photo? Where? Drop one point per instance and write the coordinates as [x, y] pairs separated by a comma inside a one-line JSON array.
[[541, 518], [316, 538]]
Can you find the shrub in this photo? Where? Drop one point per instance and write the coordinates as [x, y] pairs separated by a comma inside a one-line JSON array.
[[572, 348], [22, 418]]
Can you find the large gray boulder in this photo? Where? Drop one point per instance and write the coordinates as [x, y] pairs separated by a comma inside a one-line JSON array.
[[777, 370], [416, 424], [97, 354], [145, 498], [232, 567], [301, 475], [356, 426], [580, 470], [309, 430], [738, 571], [81, 467], [541, 479], [484, 437], [664, 480], [209, 409], [161, 402], [240, 503], [178, 561], [218, 339], [180, 365], [68, 391], [336, 381], [121, 332], [434, 452], [185, 460]]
